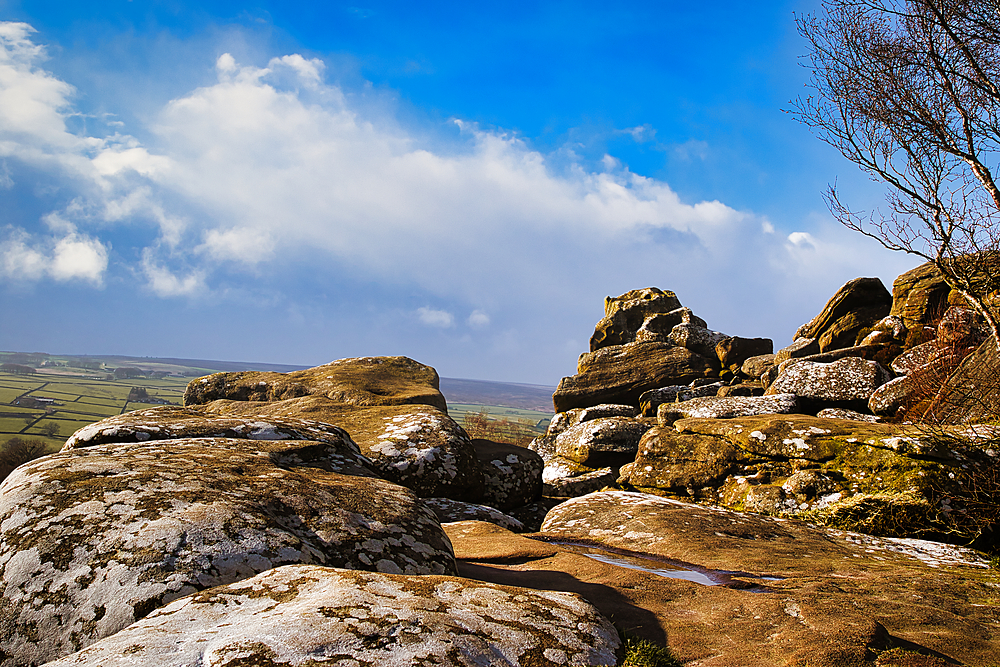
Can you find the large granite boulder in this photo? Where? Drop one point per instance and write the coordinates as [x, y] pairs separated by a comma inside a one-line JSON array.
[[307, 615], [622, 373], [701, 340], [93, 539], [363, 381], [681, 463], [625, 314], [601, 442], [416, 446], [856, 306], [512, 475], [843, 383]]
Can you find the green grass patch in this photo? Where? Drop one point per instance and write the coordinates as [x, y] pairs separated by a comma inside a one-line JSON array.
[[87, 410], [11, 426], [63, 428], [643, 653]]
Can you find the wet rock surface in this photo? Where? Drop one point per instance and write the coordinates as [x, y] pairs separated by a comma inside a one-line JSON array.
[[307, 615], [93, 539]]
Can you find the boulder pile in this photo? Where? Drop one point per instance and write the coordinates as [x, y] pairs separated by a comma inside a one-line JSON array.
[[831, 427]]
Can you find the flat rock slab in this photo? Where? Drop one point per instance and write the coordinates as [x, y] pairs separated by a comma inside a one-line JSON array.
[[359, 381], [727, 407], [416, 446], [307, 615], [786, 594], [93, 539]]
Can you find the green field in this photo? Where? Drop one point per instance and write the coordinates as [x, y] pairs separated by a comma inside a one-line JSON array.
[[78, 398], [537, 419]]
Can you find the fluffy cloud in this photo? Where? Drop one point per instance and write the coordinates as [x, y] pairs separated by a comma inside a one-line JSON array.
[[272, 171], [441, 319], [71, 257]]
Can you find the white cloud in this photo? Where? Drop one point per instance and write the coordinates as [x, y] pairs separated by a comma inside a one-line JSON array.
[[436, 318], [165, 284], [79, 258], [478, 320], [72, 257]]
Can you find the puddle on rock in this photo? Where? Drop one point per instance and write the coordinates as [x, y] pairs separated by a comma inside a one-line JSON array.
[[671, 569]]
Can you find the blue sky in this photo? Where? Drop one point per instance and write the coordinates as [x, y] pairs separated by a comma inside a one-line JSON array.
[[461, 183]]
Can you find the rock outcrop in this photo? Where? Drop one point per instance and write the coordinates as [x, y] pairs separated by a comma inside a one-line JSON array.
[[364, 381], [626, 314], [94, 539], [857, 305], [620, 374], [308, 615]]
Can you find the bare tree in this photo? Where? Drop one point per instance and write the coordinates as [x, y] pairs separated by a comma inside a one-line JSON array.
[[909, 90]]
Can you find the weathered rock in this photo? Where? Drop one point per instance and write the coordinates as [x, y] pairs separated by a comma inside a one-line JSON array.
[[680, 463], [512, 475], [844, 383], [851, 415], [728, 407], [857, 305], [93, 539], [890, 329], [919, 298], [786, 593], [734, 351], [601, 442], [971, 394], [308, 615], [448, 510], [658, 327], [876, 352], [697, 339], [801, 347], [754, 367], [755, 388], [564, 420], [890, 397], [625, 314], [651, 400], [915, 357], [364, 381], [416, 446], [620, 374], [533, 514], [579, 483]]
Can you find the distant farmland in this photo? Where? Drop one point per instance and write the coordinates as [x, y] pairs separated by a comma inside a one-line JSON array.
[[65, 393]]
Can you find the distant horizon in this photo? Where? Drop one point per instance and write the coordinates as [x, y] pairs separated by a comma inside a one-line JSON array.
[[460, 184]]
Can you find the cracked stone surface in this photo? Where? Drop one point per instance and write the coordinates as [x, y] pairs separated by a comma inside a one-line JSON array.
[[308, 615], [93, 539], [416, 446]]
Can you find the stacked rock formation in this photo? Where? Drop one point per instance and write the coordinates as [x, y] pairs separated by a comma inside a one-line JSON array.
[[664, 404]]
